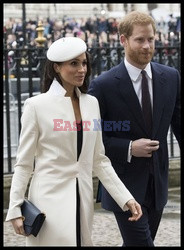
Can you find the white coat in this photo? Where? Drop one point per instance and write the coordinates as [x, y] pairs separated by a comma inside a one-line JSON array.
[[53, 185]]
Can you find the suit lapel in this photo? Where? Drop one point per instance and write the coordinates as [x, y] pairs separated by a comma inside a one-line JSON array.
[[129, 96], [158, 96], [127, 91]]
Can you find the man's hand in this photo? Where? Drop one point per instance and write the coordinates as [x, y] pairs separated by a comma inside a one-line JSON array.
[[144, 147], [135, 209]]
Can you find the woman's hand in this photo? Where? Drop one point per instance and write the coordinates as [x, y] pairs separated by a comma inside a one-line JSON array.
[[135, 209], [18, 225]]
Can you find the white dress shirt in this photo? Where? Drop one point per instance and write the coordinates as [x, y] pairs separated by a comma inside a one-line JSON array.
[[136, 77]]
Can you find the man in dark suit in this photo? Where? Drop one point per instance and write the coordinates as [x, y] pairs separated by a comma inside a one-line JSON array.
[[137, 146]]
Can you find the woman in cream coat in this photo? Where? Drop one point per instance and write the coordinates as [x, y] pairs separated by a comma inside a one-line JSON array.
[[48, 141]]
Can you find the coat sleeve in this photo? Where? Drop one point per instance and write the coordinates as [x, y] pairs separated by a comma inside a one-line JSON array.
[[24, 160], [103, 169]]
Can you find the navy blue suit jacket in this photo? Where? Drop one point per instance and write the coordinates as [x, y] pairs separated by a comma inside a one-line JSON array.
[[121, 113]]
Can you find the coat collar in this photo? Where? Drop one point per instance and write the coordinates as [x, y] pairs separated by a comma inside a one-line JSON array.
[[134, 72], [56, 89]]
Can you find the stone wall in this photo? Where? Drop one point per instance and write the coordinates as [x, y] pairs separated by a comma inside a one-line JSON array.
[[52, 11], [77, 10]]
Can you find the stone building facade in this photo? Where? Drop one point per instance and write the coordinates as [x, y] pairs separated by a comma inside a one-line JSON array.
[[78, 10]]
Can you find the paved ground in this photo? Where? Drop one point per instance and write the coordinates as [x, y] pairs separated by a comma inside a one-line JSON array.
[[106, 232]]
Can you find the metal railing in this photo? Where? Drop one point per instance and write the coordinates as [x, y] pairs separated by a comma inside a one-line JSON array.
[[23, 67]]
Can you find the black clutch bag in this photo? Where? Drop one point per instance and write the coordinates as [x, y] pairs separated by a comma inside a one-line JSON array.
[[33, 218]]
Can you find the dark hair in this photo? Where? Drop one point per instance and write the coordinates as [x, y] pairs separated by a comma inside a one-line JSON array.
[[49, 74]]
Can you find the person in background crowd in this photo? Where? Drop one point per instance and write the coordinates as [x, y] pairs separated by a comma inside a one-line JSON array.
[[84, 25]]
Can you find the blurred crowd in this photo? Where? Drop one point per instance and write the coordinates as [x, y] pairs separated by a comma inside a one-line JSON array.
[[107, 29]]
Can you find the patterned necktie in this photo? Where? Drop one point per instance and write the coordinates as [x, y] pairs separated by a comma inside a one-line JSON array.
[[146, 103]]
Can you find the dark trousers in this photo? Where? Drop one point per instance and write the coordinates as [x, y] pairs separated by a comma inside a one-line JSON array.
[[143, 231]]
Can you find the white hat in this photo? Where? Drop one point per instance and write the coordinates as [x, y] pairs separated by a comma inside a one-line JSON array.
[[66, 48]]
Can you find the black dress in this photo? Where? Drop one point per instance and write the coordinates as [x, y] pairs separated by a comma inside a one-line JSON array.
[[79, 146]]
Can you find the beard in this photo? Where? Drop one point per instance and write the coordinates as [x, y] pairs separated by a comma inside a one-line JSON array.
[[140, 57]]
